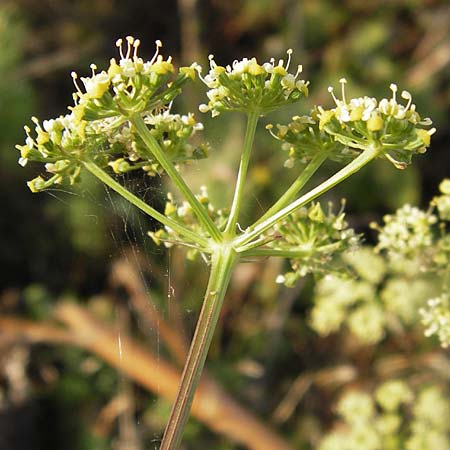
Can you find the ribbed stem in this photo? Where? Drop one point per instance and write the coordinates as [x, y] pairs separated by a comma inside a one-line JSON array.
[[222, 264], [252, 121]]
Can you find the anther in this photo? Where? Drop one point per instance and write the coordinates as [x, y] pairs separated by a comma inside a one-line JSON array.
[[136, 45], [407, 96], [130, 40], [394, 89], [331, 91], [158, 44], [93, 68], [74, 76], [289, 53], [119, 43]]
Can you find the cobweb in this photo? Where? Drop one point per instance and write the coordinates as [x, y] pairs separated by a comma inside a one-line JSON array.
[[133, 249]]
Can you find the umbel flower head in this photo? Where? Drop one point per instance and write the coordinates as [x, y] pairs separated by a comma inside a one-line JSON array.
[[129, 85], [302, 139], [248, 86], [314, 237], [98, 128], [64, 143], [396, 129], [60, 144]]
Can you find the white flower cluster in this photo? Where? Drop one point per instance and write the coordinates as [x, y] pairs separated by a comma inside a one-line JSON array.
[[436, 319], [396, 129], [403, 296], [250, 87], [407, 233], [379, 422], [367, 109], [341, 301], [130, 85], [59, 143]]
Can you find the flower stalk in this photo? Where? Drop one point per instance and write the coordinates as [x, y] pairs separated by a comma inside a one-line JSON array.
[[244, 241], [295, 187], [252, 122]]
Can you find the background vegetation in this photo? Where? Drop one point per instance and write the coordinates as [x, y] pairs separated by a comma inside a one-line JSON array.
[[58, 386]]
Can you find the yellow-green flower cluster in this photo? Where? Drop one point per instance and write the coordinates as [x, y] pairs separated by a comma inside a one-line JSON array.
[[406, 234], [130, 85], [417, 240], [185, 215], [98, 127], [442, 202], [303, 139], [393, 418], [248, 86], [392, 282], [341, 300], [436, 318], [376, 300], [403, 295], [314, 237], [59, 143], [64, 143], [397, 130]]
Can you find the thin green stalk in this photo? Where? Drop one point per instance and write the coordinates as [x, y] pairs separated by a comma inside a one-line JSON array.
[[252, 121], [166, 164], [222, 264], [136, 201], [365, 157], [295, 187]]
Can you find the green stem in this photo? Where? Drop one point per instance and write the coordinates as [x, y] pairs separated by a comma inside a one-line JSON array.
[[222, 264], [295, 187], [166, 164], [365, 157], [252, 121], [136, 201]]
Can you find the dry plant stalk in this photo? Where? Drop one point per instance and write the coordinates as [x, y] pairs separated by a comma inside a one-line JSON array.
[[212, 405]]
